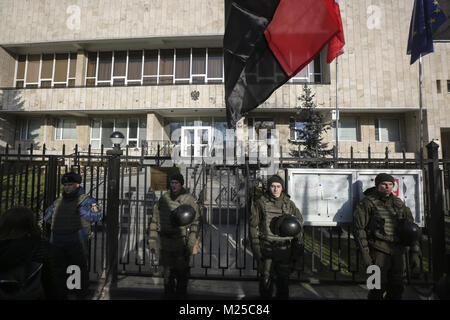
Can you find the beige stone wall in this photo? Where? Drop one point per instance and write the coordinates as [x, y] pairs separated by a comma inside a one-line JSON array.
[[7, 68], [113, 98], [154, 126], [55, 20]]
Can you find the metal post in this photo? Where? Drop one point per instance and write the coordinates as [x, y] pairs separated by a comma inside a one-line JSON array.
[[112, 215], [50, 186], [437, 221], [337, 112], [50, 181]]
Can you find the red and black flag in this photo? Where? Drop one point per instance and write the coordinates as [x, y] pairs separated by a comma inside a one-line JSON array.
[[267, 42]]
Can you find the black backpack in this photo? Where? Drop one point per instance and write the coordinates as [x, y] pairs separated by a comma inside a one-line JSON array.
[[22, 282]]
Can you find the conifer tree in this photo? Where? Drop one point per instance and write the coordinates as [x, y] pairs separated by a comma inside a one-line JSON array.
[[312, 126]]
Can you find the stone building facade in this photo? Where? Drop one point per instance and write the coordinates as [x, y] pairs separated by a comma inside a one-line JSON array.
[[73, 71]]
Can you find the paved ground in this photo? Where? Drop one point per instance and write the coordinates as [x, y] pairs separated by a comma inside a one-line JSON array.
[[145, 288]]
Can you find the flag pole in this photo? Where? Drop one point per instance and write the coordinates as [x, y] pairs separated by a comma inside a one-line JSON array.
[[337, 112], [420, 112]]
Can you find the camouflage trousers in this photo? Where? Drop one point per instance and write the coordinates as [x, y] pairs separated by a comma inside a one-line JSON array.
[[392, 268], [274, 269]]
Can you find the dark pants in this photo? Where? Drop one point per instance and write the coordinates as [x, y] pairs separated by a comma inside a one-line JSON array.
[[391, 268], [65, 256], [176, 273], [275, 270]]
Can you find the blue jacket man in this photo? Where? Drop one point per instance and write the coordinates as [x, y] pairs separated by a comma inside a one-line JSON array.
[[70, 217]]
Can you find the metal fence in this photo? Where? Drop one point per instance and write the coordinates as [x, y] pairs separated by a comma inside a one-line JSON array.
[[224, 193]]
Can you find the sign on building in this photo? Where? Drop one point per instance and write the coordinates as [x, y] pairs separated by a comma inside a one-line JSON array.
[[326, 197]]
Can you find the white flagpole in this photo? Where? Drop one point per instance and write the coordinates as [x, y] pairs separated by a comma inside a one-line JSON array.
[[337, 112], [420, 111]]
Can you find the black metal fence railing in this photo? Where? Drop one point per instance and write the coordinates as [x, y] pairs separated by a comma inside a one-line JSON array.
[[224, 193]]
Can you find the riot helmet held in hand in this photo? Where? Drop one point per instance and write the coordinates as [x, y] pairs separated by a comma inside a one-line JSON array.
[[408, 232], [286, 225], [183, 215]]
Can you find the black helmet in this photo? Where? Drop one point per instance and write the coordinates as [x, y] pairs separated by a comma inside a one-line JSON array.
[[408, 232], [183, 215], [286, 225]]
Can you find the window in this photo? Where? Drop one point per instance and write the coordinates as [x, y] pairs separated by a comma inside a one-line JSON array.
[[152, 67], [20, 71], [135, 59], [104, 68], [32, 71], [255, 127], [91, 69], [387, 130], [46, 70], [295, 127], [120, 68], [198, 65], [348, 129], [195, 141], [259, 145], [166, 66], [448, 86], [182, 65], [312, 73], [133, 129], [173, 124], [30, 129], [215, 65], [66, 129]]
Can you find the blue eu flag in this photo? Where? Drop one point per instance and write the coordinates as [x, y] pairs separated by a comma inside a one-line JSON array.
[[426, 18]]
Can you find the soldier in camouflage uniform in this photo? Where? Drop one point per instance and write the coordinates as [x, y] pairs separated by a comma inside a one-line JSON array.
[[274, 254], [176, 242], [375, 221]]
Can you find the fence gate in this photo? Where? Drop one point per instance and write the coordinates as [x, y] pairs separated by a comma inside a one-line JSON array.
[[224, 193]]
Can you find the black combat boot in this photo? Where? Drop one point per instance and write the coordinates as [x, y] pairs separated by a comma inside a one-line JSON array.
[[266, 288], [169, 285], [282, 288], [375, 294], [394, 292], [181, 288]]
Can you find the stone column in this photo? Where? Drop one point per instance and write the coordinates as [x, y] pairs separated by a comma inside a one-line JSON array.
[[81, 68]]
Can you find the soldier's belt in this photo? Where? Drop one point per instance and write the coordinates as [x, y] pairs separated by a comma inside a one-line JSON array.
[[172, 236], [283, 243]]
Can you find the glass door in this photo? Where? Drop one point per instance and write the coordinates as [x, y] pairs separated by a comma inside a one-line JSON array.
[[195, 141]]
